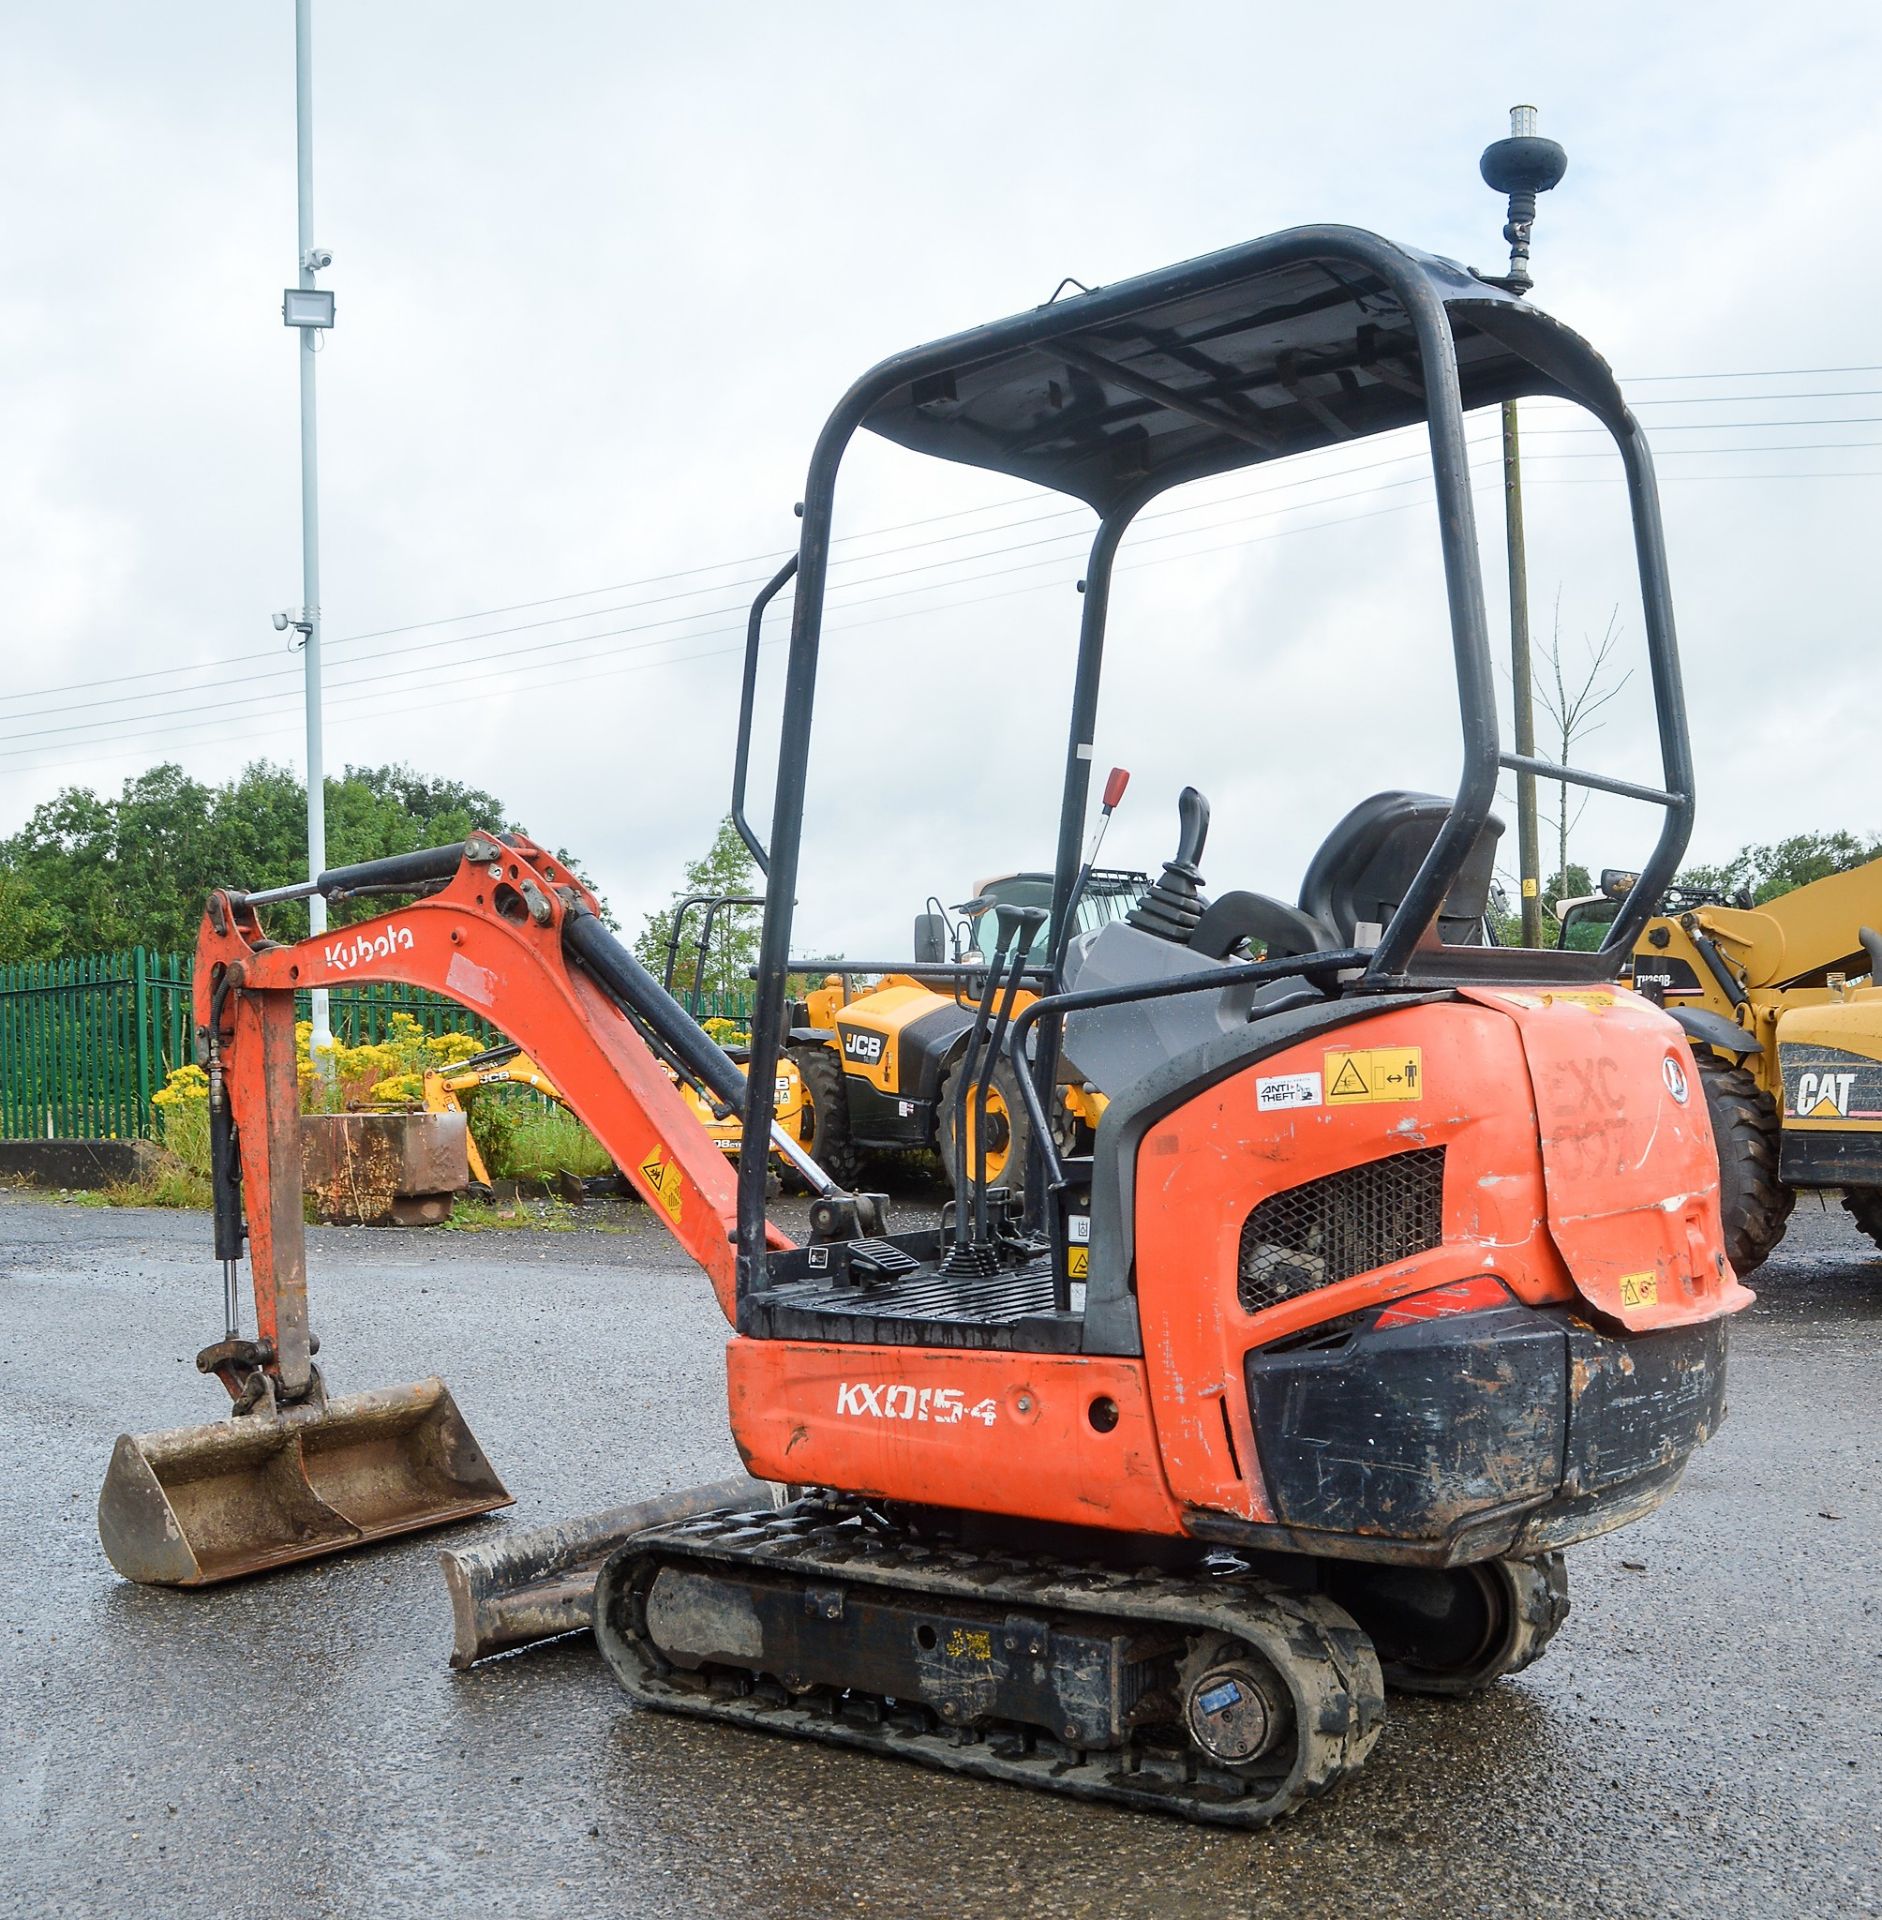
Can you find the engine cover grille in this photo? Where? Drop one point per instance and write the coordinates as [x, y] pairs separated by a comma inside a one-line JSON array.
[[1350, 1222]]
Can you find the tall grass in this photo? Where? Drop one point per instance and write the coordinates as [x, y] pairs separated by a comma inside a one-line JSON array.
[[546, 1141]]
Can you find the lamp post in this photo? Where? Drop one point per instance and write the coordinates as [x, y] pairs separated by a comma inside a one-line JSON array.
[[309, 309], [1521, 166]]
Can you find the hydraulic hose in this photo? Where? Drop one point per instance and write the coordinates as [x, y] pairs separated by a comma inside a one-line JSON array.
[[633, 988]]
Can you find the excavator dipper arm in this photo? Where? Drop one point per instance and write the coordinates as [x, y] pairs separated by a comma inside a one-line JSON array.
[[508, 934], [501, 929]]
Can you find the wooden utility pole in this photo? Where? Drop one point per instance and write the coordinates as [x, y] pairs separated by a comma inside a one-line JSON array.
[[1522, 166]]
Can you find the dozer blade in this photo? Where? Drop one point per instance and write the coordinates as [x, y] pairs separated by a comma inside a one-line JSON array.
[[538, 1583], [199, 1505]]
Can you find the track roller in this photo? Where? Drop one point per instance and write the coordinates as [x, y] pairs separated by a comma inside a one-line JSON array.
[[1210, 1695]]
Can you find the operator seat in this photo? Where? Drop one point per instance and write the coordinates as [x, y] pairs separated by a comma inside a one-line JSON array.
[[1365, 866], [1360, 875]]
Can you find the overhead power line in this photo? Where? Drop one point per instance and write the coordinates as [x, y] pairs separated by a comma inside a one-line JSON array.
[[459, 640], [506, 661], [1766, 373], [509, 656], [775, 556], [256, 727], [834, 629], [109, 732]]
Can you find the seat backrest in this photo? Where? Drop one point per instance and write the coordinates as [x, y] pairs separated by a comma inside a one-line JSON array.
[[1365, 867]]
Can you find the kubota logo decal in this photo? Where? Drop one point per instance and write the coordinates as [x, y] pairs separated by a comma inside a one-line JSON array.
[[940, 1406], [344, 955], [1675, 1077]]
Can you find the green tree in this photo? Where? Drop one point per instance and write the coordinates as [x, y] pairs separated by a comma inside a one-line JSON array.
[[89, 874], [725, 868], [1767, 871], [30, 928]]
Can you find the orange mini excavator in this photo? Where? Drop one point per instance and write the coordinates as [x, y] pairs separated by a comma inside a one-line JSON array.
[[1393, 1270]]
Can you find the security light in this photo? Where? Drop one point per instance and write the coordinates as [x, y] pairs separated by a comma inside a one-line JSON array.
[[306, 307]]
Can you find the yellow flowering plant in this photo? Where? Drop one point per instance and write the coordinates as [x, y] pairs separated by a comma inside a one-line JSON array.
[[383, 1073]]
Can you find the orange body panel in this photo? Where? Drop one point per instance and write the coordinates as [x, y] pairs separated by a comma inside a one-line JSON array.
[[1202, 1170], [1547, 1213], [1630, 1164], [1008, 1433]]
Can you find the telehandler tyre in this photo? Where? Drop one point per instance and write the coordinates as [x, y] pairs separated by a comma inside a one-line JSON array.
[[1009, 1129], [1864, 1206], [827, 1101], [1754, 1203]]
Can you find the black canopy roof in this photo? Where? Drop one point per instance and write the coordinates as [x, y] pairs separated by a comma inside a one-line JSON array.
[[1128, 389]]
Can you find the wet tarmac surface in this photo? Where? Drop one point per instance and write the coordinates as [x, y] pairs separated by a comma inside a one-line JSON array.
[[1705, 1737]]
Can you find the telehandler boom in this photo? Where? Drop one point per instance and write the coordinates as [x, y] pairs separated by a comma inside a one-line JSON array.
[[1394, 1267]]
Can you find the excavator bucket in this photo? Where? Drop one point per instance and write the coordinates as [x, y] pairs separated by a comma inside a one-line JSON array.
[[199, 1505]]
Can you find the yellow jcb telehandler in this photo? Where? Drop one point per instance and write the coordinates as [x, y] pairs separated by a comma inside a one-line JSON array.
[[879, 1048]]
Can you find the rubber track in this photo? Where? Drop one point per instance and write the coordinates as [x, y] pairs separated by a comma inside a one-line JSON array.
[[1328, 1663], [1541, 1594], [1534, 1595]]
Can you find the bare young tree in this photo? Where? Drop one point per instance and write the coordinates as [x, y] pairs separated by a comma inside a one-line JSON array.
[[1571, 692]]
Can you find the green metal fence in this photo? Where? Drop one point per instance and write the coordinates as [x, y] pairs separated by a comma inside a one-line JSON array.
[[85, 1043]]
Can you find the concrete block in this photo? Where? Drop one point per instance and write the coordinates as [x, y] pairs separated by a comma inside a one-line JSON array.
[[383, 1169], [77, 1164]]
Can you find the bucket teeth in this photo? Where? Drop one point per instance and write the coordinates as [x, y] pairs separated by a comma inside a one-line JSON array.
[[198, 1505]]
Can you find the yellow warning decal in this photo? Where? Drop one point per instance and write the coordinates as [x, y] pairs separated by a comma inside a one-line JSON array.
[[663, 1176], [1077, 1262], [1374, 1073], [1595, 999], [1640, 1289]]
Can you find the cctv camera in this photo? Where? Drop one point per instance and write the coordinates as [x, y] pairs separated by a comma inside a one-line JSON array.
[[316, 258], [280, 623]]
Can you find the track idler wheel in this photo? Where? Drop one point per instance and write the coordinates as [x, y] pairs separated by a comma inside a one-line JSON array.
[[1457, 1630]]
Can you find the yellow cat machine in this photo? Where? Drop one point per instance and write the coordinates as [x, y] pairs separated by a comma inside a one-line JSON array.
[[1782, 1002]]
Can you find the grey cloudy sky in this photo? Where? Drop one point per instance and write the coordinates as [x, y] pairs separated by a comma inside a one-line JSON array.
[[603, 269]]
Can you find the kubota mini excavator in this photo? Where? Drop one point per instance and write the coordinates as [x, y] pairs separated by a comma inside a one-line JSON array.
[[1401, 1254]]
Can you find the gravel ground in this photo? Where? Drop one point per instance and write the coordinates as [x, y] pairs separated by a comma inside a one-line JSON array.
[[1705, 1738]]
